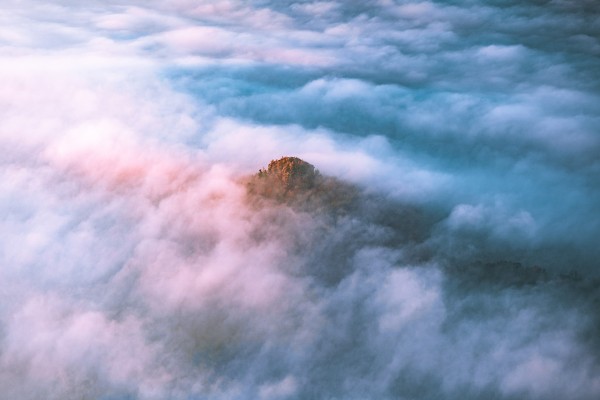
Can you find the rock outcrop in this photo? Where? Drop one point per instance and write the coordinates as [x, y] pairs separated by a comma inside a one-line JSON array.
[[299, 184], [290, 174]]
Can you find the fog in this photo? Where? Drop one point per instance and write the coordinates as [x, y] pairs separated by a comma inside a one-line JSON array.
[[136, 264]]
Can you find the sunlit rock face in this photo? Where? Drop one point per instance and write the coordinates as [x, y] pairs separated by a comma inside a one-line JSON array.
[[292, 173], [297, 183]]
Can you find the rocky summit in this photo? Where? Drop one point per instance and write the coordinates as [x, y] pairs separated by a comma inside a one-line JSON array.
[[298, 183], [291, 173]]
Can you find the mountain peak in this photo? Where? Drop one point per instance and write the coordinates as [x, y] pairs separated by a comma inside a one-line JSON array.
[[298, 183], [291, 173]]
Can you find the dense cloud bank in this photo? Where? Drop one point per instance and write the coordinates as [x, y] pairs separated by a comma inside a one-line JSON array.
[[136, 264]]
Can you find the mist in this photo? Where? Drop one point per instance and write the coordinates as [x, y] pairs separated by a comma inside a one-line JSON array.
[[453, 254]]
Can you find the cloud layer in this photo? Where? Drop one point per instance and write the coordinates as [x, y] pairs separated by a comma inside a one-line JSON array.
[[134, 265]]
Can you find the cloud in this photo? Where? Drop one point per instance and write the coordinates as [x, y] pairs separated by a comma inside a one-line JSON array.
[[135, 264]]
